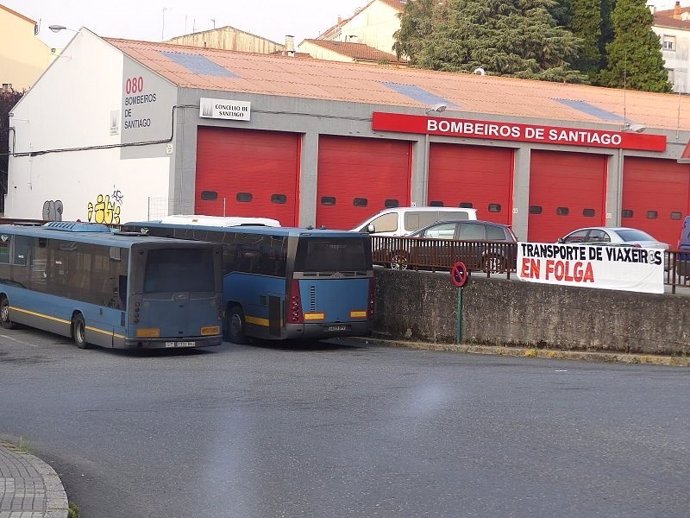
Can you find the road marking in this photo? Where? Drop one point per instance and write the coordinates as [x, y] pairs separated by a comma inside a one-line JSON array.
[[18, 341]]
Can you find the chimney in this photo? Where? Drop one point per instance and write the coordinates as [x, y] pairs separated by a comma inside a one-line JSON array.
[[289, 45], [677, 11]]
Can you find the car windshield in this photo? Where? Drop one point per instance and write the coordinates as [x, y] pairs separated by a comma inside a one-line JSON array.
[[631, 234]]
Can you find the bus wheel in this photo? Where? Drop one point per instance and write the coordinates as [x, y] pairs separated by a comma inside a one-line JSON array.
[[5, 314], [79, 331], [236, 325]]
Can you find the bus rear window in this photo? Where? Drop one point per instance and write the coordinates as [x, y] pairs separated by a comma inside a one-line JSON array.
[[179, 269], [332, 255]]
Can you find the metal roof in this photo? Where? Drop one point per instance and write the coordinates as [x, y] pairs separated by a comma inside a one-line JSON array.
[[498, 97]]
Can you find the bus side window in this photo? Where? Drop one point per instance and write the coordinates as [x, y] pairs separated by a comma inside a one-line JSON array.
[[22, 245], [5, 252]]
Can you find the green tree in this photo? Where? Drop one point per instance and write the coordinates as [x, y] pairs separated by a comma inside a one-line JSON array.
[[7, 102], [504, 37], [634, 56], [585, 23]]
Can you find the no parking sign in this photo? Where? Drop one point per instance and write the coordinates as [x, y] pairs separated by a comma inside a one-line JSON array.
[[459, 274]]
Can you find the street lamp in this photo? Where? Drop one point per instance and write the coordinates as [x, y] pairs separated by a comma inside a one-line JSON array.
[[58, 28], [436, 108]]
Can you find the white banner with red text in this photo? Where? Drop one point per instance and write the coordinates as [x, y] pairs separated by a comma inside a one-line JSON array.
[[606, 267]]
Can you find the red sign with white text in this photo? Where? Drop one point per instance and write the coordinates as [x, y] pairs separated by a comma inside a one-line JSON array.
[[492, 130]]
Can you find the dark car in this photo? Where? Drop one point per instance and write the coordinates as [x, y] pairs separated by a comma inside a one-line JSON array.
[[481, 245]]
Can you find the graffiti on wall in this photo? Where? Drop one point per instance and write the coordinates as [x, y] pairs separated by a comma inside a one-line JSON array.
[[106, 209], [52, 210]]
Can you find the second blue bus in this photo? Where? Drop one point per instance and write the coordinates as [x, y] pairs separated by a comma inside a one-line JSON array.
[[284, 283]]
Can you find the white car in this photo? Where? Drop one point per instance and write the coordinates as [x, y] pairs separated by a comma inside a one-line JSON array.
[[613, 236]]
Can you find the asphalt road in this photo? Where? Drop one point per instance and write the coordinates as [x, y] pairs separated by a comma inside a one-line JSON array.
[[343, 430]]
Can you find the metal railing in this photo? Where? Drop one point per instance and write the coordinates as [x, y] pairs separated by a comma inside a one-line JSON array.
[[487, 257]]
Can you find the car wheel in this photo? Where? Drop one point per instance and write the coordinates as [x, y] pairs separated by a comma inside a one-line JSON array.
[[235, 325], [399, 260], [494, 264], [5, 314], [79, 331]]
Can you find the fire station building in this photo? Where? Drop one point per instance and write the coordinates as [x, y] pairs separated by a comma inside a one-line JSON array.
[[118, 130]]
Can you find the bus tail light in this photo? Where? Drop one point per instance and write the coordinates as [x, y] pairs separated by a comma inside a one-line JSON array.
[[372, 297], [295, 315]]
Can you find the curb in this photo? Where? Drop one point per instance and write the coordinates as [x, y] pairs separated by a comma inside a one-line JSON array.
[[21, 464], [533, 352]]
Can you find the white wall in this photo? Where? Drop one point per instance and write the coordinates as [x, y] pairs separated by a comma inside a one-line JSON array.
[[67, 109], [373, 26], [676, 60]]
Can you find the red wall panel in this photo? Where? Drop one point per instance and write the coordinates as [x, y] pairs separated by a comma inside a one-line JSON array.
[[656, 195], [352, 171], [569, 191], [262, 164], [477, 175]]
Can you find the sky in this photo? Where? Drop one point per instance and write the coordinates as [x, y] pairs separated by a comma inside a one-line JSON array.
[[156, 20]]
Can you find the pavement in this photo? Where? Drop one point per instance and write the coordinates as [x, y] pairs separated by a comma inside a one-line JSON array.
[[29, 488]]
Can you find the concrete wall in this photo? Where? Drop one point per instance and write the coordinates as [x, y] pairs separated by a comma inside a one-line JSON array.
[[423, 306]]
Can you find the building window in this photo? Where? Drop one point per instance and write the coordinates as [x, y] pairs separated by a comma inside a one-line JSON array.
[[391, 204], [494, 207], [652, 214], [588, 213], [626, 213], [535, 209], [436, 203], [668, 42], [676, 215], [209, 195], [328, 200], [465, 205], [562, 211], [360, 202], [280, 199], [244, 197]]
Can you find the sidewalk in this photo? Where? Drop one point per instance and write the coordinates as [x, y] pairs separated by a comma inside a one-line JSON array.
[[29, 488]]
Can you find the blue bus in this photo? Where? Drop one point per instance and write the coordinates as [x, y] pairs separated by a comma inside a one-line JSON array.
[[110, 289], [284, 283]]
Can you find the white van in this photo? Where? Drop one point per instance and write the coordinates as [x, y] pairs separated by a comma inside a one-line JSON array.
[[218, 221], [401, 221]]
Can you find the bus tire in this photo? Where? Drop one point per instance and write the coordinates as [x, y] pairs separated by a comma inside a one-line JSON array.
[[5, 313], [79, 331], [236, 332]]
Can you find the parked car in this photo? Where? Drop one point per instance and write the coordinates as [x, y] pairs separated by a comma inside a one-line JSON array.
[[612, 236], [481, 245], [402, 221]]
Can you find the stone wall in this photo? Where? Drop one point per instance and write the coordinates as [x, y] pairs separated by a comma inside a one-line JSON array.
[[424, 306]]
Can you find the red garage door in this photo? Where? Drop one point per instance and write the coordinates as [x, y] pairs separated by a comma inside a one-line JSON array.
[[567, 191], [656, 197], [472, 176], [247, 173], [358, 177]]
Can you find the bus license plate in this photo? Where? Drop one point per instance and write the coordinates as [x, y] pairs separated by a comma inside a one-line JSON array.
[[180, 344], [336, 328]]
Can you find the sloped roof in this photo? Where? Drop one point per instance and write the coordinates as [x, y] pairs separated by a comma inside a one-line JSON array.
[[667, 18], [356, 51], [225, 28], [388, 85]]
